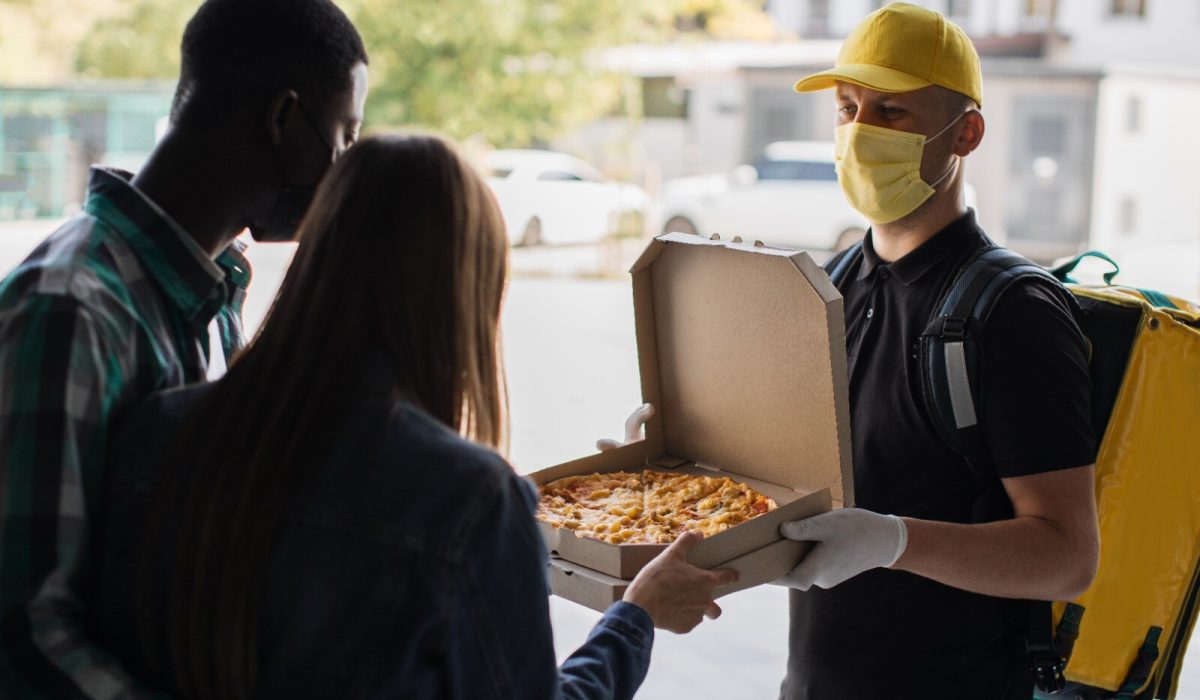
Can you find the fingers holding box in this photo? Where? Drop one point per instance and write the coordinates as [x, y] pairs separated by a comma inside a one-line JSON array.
[[677, 595]]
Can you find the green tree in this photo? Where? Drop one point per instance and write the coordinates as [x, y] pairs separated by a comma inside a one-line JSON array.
[[139, 41], [38, 38], [510, 71], [513, 72]]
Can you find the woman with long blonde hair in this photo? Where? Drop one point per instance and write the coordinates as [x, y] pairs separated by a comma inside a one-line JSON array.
[[333, 517]]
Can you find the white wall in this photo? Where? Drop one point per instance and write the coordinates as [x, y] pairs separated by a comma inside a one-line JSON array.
[[844, 15], [985, 16], [717, 116], [792, 15], [1156, 168], [788, 15], [1169, 33]]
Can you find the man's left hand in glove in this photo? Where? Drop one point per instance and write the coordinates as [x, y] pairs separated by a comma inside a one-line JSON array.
[[848, 542]]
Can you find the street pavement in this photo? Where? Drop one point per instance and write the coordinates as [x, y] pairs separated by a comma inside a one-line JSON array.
[[572, 377]]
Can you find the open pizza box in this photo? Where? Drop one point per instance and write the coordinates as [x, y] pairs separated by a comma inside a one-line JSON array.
[[742, 352]]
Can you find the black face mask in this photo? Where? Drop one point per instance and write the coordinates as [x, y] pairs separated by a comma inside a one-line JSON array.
[[291, 203]]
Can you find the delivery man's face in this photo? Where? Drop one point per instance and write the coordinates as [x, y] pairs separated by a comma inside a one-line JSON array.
[[926, 111]]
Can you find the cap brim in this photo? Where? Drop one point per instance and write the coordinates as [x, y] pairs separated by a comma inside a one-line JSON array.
[[868, 76]]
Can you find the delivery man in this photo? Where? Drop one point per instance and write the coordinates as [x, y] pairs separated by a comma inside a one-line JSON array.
[[903, 595]]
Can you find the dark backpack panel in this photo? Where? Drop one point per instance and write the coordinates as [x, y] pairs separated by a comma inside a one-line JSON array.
[[1110, 330]]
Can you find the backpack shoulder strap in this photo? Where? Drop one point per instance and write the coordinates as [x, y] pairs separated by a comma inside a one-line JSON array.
[[951, 348], [950, 374], [839, 266]]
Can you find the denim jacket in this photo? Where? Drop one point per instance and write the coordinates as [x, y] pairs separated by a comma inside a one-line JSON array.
[[409, 567]]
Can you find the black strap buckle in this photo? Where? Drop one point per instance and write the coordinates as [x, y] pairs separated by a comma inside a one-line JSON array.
[[1047, 670], [954, 328]]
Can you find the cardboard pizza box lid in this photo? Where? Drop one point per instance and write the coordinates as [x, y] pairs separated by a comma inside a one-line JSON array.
[[741, 349]]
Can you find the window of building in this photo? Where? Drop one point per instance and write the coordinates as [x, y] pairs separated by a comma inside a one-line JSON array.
[[558, 176], [779, 122], [817, 24], [1127, 8], [1034, 8], [1037, 16], [27, 132], [1127, 216], [796, 170], [1133, 114], [1044, 205], [1047, 135], [663, 98], [778, 114], [134, 132]]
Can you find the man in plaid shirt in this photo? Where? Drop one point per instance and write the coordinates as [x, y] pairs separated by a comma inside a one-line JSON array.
[[120, 301]]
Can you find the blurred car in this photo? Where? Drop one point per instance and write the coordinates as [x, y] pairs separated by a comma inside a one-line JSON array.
[[789, 197], [550, 197]]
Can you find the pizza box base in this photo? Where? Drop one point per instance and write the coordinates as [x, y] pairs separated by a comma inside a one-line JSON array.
[[598, 591]]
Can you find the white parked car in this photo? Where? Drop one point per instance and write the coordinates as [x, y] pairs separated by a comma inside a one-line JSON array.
[[549, 197], [789, 197]]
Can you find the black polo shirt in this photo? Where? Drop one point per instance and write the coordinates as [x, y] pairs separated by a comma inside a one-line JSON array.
[[892, 634]]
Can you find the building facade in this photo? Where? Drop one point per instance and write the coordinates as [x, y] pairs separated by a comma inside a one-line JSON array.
[[1086, 103], [50, 136]]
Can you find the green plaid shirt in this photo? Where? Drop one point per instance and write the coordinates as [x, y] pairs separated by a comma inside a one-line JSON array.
[[113, 306]]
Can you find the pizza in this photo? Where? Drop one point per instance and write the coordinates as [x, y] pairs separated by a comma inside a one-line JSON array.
[[648, 507]]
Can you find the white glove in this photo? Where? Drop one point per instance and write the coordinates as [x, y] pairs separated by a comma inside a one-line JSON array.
[[633, 428], [849, 542]]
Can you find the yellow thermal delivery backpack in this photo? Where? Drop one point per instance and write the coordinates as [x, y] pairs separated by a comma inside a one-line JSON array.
[[1134, 623]]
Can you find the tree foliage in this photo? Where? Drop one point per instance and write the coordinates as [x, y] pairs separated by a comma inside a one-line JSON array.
[[510, 71], [139, 41], [39, 38]]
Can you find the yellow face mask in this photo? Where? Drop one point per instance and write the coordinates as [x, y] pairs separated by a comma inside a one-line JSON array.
[[880, 170]]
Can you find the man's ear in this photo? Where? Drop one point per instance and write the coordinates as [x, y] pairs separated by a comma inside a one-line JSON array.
[[971, 134], [279, 111]]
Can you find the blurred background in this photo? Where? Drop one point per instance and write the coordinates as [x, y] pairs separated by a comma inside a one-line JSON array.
[[603, 122], [675, 113]]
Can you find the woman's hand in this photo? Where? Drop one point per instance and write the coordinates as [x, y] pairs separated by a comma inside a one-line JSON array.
[[676, 594]]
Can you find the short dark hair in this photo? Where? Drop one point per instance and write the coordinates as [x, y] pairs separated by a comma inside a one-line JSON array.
[[235, 51], [955, 103]]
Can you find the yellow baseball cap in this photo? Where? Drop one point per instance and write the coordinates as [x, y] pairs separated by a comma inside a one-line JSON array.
[[902, 47]]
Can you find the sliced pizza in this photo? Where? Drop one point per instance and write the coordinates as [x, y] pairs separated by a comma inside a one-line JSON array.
[[651, 507]]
